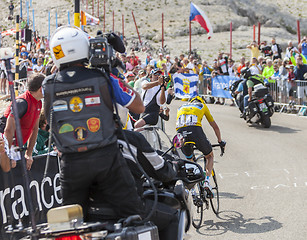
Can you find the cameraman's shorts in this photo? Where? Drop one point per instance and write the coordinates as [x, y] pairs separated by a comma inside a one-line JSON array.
[[197, 135]]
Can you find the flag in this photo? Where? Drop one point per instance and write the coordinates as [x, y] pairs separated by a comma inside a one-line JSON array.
[[8, 32], [87, 19], [185, 85], [199, 16]]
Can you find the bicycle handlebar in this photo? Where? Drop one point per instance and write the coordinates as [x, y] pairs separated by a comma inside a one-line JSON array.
[[222, 148]]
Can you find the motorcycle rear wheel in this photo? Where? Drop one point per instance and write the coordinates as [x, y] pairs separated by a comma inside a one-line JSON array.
[[198, 203], [266, 121]]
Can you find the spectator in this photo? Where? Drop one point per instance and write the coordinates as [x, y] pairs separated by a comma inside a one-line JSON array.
[[231, 68], [140, 64], [41, 146], [303, 46], [265, 49], [169, 63], [29, 106], [222, 63], [268, 71], [130, 79], [284, 74], [39, 67], [291, 84], [254, 67], [204, 75], [187, 66], [241, 65], [24, 64], [254, 47], [260, 62], [176, 65], [291, 50], [133, 59], [142, 75], [276, 49], [11, 8], [299, 71], [160, 61], [154, 96]]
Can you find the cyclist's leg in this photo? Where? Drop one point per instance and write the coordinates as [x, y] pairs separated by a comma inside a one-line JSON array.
[[187, 149], [203, 145], [209, 165]]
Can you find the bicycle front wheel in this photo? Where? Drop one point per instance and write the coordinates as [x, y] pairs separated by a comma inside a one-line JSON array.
[[197, 195], [215, 201]]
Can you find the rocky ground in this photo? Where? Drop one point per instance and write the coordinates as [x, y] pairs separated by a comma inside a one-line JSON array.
[[277, 18]]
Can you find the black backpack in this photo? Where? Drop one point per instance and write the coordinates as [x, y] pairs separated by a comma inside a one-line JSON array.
[[2, 124]]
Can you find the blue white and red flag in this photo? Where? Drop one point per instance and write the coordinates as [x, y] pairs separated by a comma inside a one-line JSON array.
[[199, 16]]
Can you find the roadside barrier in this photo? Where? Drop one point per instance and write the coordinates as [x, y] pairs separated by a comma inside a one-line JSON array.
[[289, 96]]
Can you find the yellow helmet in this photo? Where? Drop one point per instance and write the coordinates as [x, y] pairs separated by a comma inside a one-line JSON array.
[[198, 98]]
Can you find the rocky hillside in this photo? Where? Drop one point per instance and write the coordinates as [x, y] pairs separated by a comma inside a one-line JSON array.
[[278, 19]]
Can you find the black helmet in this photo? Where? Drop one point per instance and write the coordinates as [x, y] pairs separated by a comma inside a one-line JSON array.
[[245, 73]]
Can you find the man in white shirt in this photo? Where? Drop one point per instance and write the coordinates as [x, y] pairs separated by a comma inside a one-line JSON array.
[[154, 96]]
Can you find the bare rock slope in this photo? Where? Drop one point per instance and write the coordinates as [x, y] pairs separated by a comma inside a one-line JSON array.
[[278, 19]]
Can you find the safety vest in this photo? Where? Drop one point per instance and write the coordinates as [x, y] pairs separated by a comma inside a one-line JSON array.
[[29, 119], [256, 79], [82, 117]]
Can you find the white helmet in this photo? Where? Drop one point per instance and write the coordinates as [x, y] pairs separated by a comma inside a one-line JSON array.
[[69, 44]]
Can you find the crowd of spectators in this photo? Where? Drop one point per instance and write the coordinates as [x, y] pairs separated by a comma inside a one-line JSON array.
[[265, 60]]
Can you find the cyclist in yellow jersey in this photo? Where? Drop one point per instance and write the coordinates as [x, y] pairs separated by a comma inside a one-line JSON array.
[[189, 118]]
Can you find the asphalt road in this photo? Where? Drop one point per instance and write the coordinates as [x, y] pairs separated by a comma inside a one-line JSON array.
[[262, 177]]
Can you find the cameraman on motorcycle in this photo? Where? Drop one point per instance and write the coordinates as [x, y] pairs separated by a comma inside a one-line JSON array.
[[248, 86], [158, 168]]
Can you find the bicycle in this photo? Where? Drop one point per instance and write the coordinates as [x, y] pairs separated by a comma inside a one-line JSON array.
[[200, 195]]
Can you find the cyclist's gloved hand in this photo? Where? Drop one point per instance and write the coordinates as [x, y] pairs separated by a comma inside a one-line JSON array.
[[222, 146]]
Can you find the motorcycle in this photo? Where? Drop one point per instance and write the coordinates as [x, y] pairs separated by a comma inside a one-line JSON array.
[[171, 202], [260, 109]]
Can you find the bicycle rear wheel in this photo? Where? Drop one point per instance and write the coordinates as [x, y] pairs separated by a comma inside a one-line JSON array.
[[215, 201], [197, 195]]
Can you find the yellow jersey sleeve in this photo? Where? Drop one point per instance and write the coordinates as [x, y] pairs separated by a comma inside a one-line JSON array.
[[191, 114]]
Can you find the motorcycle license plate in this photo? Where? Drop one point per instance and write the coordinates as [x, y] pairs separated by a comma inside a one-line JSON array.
[[263, 107]]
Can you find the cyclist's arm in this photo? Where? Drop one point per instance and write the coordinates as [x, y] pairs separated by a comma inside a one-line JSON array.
[[212, 123], [216, 130]]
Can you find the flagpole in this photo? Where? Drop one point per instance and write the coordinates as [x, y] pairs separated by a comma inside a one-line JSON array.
[[162, 30], [77, 13], [49, 25], [136, 26], [104, 15], [123, 25], [190, 32], [259, 26], [113, 21], [190, 35], [230, 52]]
